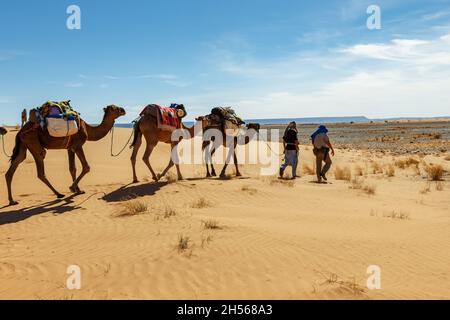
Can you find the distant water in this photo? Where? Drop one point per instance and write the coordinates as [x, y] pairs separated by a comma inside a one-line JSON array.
[[288, 120]]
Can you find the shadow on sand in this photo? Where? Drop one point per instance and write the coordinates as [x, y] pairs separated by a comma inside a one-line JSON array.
[[58, 206], [131, 191]]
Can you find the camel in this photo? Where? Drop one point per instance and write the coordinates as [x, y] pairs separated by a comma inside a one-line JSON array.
[[3, 131], [208, 156], [147, 126], [31, 137]]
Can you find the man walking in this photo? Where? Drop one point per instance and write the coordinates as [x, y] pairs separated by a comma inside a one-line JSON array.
[[322, 147], [291, 149], [24, 117]]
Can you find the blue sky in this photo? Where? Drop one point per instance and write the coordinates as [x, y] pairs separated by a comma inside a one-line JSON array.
[[266, 58]]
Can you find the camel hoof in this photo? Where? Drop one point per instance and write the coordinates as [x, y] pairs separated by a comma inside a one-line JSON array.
[[208, 175], [214, 174], [157, 178], [180, 178], [135, 181], [238, 174], [60, 196], [13, 203]]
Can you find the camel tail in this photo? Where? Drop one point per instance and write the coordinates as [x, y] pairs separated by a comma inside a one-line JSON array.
[[137, 133], [16, 149]]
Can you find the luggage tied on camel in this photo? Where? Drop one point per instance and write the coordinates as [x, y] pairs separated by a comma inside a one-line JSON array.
[[168, 118], [227, 117], [60, 119]]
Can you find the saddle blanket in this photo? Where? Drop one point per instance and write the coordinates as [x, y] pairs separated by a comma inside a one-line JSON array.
[[167, 118]]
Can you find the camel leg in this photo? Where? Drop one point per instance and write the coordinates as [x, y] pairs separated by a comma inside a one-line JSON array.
[[227, 161], [213, 171], [40, 167], [170, 165], [72, 165], [238, 174], [21, 156], [146, 159], [207, 157], [85, 170], [136, 147]]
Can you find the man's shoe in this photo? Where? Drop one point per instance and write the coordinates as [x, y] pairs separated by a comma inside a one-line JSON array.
[[281, 173], [324, 177]]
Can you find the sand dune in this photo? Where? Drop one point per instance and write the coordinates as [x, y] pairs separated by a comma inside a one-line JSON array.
[[274, 239]]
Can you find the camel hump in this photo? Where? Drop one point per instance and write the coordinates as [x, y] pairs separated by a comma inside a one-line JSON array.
[[151, 109]]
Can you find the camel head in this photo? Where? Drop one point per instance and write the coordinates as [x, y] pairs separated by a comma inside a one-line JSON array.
[[114, 112], [3, 131], [204, 120], [254, 126]]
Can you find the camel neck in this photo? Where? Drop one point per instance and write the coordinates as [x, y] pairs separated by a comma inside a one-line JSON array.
[[96, 133]]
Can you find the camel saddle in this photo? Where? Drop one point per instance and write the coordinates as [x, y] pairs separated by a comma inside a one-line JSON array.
[[168, 118], [59, 118]]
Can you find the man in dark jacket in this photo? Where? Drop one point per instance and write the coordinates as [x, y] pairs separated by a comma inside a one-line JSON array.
[[291, 149]]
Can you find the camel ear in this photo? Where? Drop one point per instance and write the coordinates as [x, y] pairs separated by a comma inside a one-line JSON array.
[[104, 109]]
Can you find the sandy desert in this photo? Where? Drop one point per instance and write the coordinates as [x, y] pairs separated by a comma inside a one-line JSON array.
[[252, 237]]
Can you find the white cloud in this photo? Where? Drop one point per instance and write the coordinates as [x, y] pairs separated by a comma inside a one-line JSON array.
[[403, 77], [432, 53]]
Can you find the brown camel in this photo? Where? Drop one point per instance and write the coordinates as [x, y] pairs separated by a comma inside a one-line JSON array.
[[215, 146], [3, 131], [147, 126], [31, 137]]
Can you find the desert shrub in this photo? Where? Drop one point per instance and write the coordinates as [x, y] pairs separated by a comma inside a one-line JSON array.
[[359, 171], [342, 173], [133, 208], [201, 203], [211, 224], [435, 172], [183, 243], [406, 163], [390, 170], [400, 215], [376, 168]]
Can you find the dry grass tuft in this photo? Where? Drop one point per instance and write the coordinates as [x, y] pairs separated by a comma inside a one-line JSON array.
[[201, 203], [169, 212], [211, 225], [376, 168], [435, 172], [359, 184], [171, 178], [274, 180], [342, 173], [249, 189], [351, 286], [400, 215], [133, 208], [407, 163], [390, 171], [359, 171], [183, 243]]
